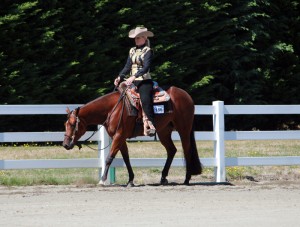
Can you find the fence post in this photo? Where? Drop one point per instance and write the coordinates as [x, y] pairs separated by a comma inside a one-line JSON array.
[[219, 145], [103, 150]]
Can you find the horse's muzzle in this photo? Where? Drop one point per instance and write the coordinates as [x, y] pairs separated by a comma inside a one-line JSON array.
[[68, 147], [68, 144]]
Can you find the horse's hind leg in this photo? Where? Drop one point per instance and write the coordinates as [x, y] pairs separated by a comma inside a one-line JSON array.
[[165, 139], [185, 140], [193, 164]]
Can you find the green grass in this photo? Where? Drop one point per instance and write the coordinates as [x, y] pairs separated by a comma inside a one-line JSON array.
[[83, 176], [48, 177]]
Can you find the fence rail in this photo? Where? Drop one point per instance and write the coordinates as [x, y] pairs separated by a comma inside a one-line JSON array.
[[218, 110]]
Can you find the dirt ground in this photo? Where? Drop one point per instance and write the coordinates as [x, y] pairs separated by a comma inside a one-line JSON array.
[[242, 203]]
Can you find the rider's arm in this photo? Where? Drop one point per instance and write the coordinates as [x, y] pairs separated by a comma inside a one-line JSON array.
[[126, 69]]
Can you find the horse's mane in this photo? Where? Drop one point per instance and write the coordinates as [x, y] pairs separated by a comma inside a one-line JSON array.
[[103, 97]]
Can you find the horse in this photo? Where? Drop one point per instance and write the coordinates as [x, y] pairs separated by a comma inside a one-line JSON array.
[[108, 110]]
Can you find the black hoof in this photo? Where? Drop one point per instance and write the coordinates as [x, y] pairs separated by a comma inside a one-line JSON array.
[[164, 181], [186, 182], [130, 184]]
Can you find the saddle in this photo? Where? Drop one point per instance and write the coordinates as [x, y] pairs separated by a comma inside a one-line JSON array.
[[161, 105], [161, 102]]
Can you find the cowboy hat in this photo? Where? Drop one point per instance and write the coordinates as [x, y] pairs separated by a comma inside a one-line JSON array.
[[140, 31]]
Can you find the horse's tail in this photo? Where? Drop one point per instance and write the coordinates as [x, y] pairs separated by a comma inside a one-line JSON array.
[[196, 166]]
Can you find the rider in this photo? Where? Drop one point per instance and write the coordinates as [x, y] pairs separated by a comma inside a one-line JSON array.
[[138, 64]]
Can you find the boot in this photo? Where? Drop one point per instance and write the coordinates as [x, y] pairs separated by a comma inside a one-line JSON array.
[[151, 130]]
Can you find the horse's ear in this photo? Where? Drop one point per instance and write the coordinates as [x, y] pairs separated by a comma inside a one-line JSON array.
[[68, 110]]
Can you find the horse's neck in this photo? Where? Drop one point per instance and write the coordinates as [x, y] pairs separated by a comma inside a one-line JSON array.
[[96, 111]]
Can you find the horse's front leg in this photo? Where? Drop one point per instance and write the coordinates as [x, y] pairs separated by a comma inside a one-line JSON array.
[[125, 155], [108, 161], [115, 147]]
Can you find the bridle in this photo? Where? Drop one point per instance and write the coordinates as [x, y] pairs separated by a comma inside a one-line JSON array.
[[74, 126]]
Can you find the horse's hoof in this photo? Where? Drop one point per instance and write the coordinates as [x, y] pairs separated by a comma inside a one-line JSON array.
[[102, 183], [186, 182], [130, 184], [164, 181]]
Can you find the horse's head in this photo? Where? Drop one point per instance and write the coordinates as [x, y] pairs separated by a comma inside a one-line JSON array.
[[74, 129]]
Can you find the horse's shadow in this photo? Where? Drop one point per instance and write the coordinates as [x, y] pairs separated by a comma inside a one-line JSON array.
[[193, 184], [174, 184]]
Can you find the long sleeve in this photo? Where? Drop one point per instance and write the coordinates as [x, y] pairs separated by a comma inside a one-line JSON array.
[[126, 68]]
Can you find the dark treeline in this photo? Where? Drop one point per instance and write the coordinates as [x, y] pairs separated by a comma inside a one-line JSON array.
[[66, 52]]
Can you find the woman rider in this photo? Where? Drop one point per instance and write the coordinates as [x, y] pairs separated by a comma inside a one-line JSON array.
[[138, 64]]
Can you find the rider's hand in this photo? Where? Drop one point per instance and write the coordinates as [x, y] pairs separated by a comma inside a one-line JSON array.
[[130, 80], [117, 81]]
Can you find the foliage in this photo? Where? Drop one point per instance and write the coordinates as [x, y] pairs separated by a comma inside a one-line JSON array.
[[242, 52]]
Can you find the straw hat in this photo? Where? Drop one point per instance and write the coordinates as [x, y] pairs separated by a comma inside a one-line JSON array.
[[140, 31]]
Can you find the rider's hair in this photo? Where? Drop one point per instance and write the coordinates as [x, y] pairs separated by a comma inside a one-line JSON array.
[[147, 42]]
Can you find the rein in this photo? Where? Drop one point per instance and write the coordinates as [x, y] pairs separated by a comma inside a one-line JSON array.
[[79, 144]]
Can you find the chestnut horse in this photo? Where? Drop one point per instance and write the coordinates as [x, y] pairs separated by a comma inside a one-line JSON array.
[[108, 110]]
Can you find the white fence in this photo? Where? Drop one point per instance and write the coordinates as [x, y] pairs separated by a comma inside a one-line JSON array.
[[218, 135]]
